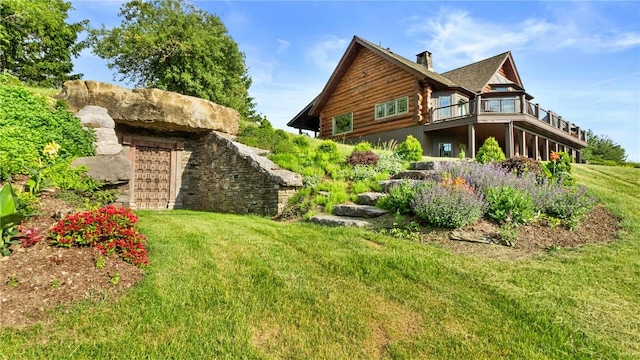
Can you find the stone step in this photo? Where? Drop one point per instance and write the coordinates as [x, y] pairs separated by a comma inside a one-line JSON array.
[[334, 220], [429, 165], [415, 174], [359, 211], [370, 198], [388, 184]]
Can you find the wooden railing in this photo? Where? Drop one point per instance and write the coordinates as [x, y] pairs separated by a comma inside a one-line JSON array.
[[505, 105]]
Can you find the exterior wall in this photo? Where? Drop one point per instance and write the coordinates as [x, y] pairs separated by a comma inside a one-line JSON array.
[[213, 176], [217, 178], [398, 135], [369, 80]]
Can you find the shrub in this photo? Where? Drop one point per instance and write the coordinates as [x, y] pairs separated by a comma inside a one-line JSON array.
[[490, 151], [363, 158], [400, 197], [390, 163], [362, 146], [265, 137], [564, 203], [483, 177], [560, 168], [410, 149], [109, 229], [328, 147], [447, 207], [521, 166], [301, 142], [509, 205], [28, 123], [362, 172]]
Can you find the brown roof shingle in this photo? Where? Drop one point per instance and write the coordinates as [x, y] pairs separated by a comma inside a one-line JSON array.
[[476, 76]]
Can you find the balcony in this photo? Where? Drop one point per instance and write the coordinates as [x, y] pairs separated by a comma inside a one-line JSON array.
[[505, 105]]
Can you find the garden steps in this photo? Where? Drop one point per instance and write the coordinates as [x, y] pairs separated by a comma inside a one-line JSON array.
[[429, 165], [335, 220], [370, 198], [415, 174], [388, 184], [358, 211]]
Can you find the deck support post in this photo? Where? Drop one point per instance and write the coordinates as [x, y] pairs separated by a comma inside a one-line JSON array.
[[471, 132], [508, 139]]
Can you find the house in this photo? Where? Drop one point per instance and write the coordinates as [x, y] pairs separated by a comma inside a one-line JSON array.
[[376, 95]]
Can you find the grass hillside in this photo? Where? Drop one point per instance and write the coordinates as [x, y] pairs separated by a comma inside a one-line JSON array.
[[227, 286]]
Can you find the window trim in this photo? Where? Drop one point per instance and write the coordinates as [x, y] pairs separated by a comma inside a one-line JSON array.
[[333, 123], [386, 105]]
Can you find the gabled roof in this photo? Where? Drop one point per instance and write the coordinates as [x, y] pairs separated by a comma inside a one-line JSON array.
[[478, 75], [357, 43], [305, 121]]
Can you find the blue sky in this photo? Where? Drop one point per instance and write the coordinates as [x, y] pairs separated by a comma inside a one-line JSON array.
[[580, 59]]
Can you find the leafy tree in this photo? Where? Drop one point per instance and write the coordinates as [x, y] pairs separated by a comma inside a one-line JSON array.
[[490, 151], [172, 45], [36, 43], [602, 148]]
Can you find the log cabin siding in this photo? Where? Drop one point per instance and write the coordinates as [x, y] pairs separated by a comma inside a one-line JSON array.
[[370, 80]]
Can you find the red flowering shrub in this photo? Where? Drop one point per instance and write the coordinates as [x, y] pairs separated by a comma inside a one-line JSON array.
[[109, 229]]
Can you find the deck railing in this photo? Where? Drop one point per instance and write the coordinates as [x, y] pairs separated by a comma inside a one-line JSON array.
[[505, 105]]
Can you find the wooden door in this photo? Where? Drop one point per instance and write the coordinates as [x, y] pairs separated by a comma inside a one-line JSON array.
[[152, 177]]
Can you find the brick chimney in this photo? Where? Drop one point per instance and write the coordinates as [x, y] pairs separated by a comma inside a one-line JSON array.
[[424, 59]]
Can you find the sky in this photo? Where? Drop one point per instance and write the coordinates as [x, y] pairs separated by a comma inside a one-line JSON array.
[[580, 59]]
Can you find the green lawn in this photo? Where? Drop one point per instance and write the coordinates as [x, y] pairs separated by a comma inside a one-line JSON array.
[[226, 286]]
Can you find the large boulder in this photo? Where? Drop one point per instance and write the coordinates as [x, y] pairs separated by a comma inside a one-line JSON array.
[[98, 118], [151, 108], [111, 170]]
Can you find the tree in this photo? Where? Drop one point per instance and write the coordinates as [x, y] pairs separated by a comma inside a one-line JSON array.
[[602, 148], [36, 44], [490, 151], [172, 45]]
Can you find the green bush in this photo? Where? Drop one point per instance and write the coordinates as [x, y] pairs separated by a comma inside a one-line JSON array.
[[560, 168], [390, 163], [329, 147], [400, 196], [410, 149], [28, 123], [509, 205], [490, 151], [447, 207], [362, 146], [301, 142], [265, 137], [362, 172]]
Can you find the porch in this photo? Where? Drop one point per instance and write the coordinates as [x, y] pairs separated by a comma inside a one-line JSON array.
[[499, 109]]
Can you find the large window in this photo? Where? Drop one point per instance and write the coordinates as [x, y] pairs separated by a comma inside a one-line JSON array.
[[501, 105], [444, 103], [343, 123], [392, 107]]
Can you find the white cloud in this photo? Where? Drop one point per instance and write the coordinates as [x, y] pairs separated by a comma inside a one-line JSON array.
[[327, 53], [457, 38], [283, 45]]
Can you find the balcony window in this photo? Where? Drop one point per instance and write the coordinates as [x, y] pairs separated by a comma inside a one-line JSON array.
[[444, 103], [392, 107], [500, 105]]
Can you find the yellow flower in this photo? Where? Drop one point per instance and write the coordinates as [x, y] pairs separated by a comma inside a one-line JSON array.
[[51, 150]]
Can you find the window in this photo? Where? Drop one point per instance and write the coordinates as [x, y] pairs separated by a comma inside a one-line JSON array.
[[445, 149], [343, 123], [444, 102], [392, 107]]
